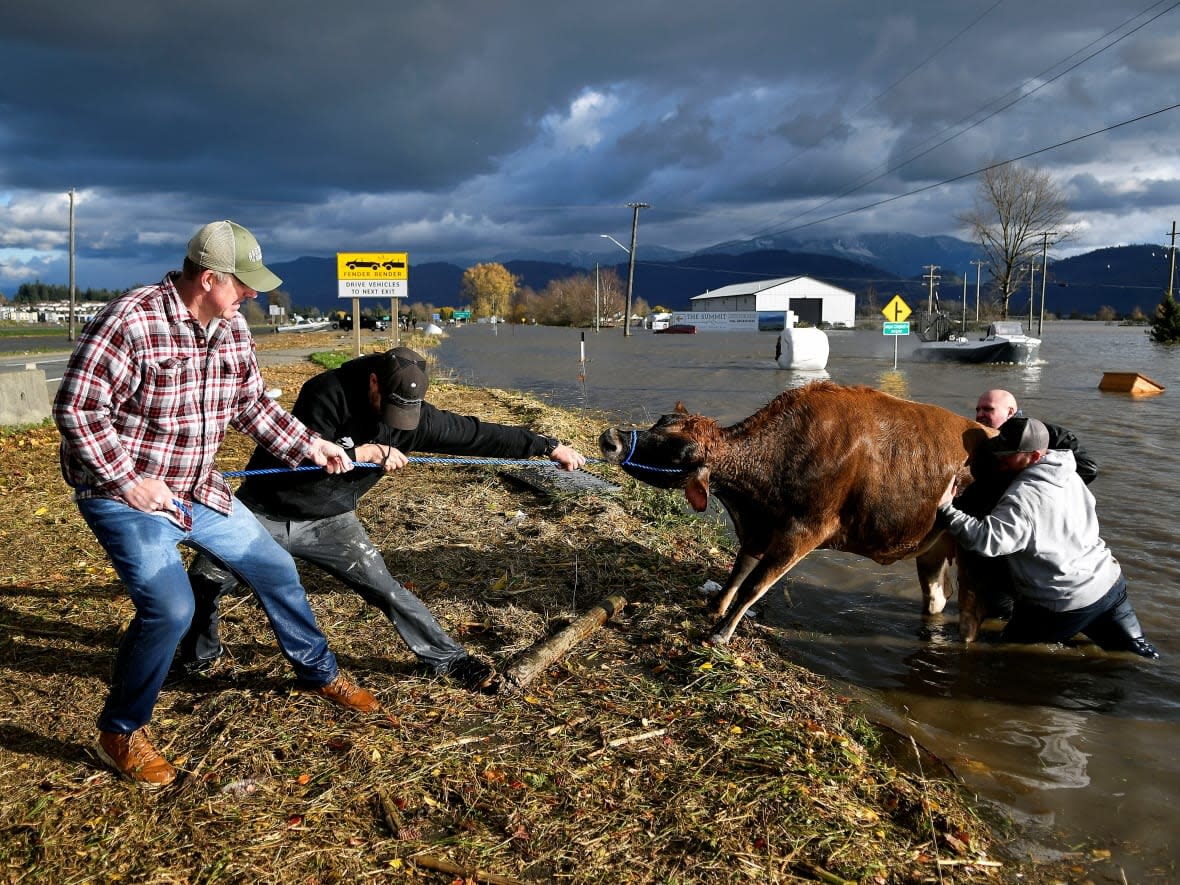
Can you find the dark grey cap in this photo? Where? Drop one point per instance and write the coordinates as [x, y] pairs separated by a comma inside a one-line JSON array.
[[1020, 434], [401, 376]]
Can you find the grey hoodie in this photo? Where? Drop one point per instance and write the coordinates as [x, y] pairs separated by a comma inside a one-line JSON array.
[[1047, 525]]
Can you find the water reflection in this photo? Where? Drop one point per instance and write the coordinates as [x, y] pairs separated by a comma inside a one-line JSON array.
[[894, 382], [1050, 745], [803, 377]]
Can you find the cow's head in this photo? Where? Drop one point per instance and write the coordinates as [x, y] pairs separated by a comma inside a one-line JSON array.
[[672, 454]]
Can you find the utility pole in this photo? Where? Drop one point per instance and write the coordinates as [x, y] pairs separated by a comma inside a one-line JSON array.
[[930, 279], [963, 330], [979, 263], [1172, 272], [1044, 277], [635, 207], [1032, 293], [70, 332], [597, 300]]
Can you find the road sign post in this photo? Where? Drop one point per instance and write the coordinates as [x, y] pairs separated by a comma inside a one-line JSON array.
[[372, 275], [896, 312]]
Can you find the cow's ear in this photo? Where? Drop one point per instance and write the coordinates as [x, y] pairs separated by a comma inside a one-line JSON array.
[[697, 490], [680, 408]]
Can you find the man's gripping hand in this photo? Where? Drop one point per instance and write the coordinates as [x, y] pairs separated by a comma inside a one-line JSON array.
[[330, 456]]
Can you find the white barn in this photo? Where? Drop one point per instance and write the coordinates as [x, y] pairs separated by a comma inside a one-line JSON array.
[[812, 301]]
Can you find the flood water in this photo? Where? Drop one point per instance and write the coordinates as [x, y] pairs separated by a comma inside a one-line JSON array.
[[1079, 746]]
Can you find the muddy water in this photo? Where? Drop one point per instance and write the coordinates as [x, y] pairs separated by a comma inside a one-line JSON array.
[[1080, 746]]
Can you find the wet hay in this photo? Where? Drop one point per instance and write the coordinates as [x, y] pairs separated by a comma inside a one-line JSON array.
[[640, 757]]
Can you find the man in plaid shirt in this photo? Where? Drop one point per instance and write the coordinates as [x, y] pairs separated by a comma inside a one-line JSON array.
[[143, 406]]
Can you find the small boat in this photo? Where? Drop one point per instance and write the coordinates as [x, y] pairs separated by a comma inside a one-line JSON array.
[[677, 329], [305, 325], [1005, 342]]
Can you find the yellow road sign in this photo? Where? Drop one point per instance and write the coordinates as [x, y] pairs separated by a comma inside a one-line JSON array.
[[896, 310], [372, 266]]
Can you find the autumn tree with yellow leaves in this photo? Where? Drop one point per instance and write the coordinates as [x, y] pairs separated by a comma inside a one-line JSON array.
[[489, 289]]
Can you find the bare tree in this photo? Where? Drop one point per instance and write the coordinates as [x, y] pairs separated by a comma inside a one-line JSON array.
[[1015, 206], [527, 306]]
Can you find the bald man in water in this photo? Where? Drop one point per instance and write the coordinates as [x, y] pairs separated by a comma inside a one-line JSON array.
[[997, 406]]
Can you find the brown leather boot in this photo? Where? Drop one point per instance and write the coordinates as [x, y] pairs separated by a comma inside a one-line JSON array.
[[134, 758], [347, 694]]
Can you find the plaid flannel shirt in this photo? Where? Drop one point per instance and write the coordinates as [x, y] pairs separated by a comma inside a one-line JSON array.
[[148, 394]]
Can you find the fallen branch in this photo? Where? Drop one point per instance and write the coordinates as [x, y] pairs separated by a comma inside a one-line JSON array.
[[445, 866], [460, 742], [823, 875], [634, 738], [389, 814], [629, 739], [534, 661]]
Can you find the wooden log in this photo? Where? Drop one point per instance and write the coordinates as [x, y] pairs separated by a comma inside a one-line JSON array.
[[442, 865], [540, 656]]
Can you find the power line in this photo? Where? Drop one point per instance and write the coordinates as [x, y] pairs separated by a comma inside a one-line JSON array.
[[990, 166], [862, 183]]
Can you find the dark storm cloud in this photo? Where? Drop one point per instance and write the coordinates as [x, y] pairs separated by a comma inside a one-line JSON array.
[[467, 129]]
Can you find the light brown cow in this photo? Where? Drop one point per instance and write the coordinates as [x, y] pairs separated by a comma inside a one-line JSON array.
[[821, 466]]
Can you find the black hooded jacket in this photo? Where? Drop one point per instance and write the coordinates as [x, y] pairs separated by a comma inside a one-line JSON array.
[[335, 404]]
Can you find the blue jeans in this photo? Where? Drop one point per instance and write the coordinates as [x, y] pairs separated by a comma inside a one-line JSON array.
[[143, 549]]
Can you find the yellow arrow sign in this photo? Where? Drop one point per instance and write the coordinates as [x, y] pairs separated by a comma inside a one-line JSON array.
[[896, 310]]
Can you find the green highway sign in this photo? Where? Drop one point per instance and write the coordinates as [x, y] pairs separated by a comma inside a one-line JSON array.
[[896, 329]]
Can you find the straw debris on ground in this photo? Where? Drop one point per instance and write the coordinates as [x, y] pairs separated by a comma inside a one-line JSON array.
[[641, 756]]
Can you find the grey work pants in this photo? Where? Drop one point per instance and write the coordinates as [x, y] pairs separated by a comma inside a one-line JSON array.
[[340, 546]]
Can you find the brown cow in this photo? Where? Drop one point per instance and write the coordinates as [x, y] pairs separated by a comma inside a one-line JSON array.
[[844, 468]]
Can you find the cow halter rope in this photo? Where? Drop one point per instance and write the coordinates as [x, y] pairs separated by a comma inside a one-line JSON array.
[[627, 462]]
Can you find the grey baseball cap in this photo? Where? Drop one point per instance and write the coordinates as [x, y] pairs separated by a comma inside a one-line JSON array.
[[229, 248], [1019, 434]]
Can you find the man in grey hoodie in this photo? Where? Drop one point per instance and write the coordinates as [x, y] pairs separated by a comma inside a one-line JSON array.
[[1066, 580]]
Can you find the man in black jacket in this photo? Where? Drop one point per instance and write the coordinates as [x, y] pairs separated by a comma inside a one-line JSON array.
[[998, 405], [374, 408]]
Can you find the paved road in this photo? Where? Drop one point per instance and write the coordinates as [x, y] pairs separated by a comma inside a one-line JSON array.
[[53, 364]]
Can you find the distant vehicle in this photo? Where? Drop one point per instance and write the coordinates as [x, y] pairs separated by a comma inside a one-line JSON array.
[[366, 323], [678, 329]]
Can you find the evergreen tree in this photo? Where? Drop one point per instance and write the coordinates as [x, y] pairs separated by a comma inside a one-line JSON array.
[[1165, 328]]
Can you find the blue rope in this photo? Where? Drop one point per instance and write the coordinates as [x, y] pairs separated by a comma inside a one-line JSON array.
[[462, 461], [414, 459], [627, 462]]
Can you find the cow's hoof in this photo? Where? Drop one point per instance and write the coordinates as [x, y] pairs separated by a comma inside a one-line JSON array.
[[717, 640]]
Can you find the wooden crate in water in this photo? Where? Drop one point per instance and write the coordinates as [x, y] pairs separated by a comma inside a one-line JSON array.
[[1134, 383]]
